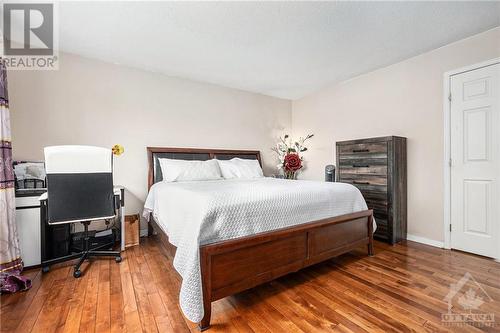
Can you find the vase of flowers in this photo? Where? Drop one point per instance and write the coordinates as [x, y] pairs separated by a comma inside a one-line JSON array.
[[289, 154]]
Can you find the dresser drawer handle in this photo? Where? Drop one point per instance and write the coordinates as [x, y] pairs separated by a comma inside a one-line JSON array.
[[360, 166], [360, 183], [360, 150]]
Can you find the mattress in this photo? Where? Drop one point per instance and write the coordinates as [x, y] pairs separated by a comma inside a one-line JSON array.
[[204, 212]]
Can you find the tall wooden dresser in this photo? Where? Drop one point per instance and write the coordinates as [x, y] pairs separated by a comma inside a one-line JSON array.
[[377, 167]]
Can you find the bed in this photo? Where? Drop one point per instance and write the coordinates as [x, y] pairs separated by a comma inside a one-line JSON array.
[[232, 235]]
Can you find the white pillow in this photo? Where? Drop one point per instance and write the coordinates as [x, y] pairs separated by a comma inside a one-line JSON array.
[[183, 170], [240, 168]]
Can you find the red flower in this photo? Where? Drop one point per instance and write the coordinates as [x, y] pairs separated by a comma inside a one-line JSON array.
[[292, 162]]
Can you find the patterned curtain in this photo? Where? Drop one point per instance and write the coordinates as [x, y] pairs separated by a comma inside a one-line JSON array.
[[11, 264]]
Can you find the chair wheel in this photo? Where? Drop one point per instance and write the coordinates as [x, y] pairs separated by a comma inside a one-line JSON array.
[[118, 259], [45, 269], [77, 274]]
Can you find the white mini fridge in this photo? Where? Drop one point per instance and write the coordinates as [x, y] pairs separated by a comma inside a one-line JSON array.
[[28, 229]]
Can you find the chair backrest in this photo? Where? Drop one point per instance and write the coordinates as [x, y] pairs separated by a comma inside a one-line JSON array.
[[79, 183]]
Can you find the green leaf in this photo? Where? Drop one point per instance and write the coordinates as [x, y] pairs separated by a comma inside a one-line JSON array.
[[303, 149]]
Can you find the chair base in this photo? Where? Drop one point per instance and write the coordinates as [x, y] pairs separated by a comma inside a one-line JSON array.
[[87, 253]]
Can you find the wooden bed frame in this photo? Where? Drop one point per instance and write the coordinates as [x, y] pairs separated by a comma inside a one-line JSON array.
[[231, 266]]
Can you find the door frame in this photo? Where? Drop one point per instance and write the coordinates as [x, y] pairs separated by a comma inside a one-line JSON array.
[[447, 143]]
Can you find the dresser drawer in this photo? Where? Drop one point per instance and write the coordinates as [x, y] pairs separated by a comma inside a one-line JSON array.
[[380, 213], [382, 229], [379, 205], [365, 186], [381, 223], [375, 196], [360, 179], [362, 161], [363, 148], [362, 169]]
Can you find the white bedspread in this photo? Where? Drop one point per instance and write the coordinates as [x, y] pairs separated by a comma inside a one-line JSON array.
[[202, 212]]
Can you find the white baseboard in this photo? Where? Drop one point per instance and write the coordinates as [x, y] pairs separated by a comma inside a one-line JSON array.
[[425, 241], [143, 233]]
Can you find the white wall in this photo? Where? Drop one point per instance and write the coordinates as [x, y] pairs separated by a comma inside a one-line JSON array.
[[404, 99], [96, 103]]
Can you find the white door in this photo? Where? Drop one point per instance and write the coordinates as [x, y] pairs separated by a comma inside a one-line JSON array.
[[475, 161]]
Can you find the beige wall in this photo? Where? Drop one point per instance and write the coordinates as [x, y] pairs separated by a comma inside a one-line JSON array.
[[404, 99], [96, 103]]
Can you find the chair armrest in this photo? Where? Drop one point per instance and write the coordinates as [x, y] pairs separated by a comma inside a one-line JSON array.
[[43, 197]]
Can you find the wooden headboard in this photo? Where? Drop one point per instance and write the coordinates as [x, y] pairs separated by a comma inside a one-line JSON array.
[[154, 153]]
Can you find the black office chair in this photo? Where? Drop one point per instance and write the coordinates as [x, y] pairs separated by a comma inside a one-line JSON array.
[[80, 189]]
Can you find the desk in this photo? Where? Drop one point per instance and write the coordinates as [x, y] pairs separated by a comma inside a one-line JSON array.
[[35, 234], [120, 191]]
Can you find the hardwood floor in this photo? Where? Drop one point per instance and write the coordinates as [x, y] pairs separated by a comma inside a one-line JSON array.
[[400, 289]]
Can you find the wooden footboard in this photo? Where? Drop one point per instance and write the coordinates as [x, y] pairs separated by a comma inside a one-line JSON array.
[[232, 266]]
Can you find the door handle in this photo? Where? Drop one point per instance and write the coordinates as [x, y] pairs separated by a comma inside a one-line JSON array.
[[360, 183]]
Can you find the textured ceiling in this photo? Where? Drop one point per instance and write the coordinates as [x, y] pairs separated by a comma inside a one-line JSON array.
[[283, 49]]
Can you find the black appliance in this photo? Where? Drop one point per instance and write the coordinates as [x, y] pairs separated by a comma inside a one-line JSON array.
[[330, 173], [95, 240], [56, 238]]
